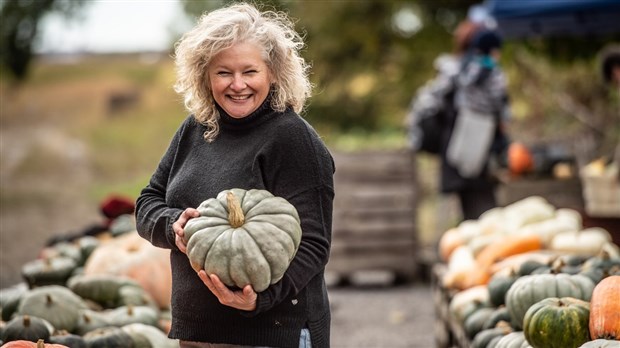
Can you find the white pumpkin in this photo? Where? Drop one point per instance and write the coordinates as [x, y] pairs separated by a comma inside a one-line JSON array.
[[585, 242]]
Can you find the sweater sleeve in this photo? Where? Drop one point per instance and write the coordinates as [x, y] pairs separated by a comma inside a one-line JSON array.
[[154, 218], [300, 169]]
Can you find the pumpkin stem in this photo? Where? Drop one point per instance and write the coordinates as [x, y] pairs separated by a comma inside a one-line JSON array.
[[235, 213], [26, 321], [48, 300], [130, 310], [40, 343]]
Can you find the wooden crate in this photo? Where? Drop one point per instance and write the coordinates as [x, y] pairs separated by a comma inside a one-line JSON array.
[[374, 214]]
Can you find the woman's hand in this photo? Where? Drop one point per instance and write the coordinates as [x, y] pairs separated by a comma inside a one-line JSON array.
[[178, 226], [242, 299]]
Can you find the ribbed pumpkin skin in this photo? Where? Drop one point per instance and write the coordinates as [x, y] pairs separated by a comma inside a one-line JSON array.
[[528, 290], [54, 303], [257, 252], [557, 323], [605, 309]]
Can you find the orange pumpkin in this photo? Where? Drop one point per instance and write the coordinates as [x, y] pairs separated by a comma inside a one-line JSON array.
[[132, 256], [28, 344], [520, 160], [449, 241], [605, 309]]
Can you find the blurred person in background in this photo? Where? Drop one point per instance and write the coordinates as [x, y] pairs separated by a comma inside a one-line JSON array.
[[244, 81], [468, 79]]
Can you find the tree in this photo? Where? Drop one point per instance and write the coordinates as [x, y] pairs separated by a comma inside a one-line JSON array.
[[19, 28]]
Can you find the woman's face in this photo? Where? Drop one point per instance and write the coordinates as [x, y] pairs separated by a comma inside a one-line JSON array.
[[240, 79]]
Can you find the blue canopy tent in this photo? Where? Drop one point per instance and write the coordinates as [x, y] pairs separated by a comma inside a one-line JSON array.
[[553, 18]]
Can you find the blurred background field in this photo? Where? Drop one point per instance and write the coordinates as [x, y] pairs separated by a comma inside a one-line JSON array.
[[82, 126]]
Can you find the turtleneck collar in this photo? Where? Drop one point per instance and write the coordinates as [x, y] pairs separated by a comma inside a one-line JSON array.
[[258, 116]]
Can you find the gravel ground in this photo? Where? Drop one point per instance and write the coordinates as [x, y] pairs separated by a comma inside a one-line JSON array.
[[376, 314]]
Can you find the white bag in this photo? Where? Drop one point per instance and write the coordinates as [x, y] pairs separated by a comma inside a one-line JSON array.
[[470, 142]]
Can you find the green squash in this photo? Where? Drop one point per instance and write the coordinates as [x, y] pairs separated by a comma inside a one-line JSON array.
[[49, 271], [484, 337], [244, 237], [108, 337], [499, 314], [557, 323], [125, 315], [10, 298], [27, 328], [54, 303], [498, 287], [474, 322], [528, 290], [109, 291], [90, 320], [67, 339]]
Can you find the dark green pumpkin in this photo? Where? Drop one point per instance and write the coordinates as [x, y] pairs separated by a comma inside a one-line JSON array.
[[473, 324], [108, 337], [67, 339], [27, 328], [529, 266], [109, 291], [484, 337], [498, 286], [10, 298], [557, 323], [51, 271], [499, 314]]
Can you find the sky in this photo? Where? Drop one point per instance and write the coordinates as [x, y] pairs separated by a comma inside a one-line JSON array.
[[114, 26]]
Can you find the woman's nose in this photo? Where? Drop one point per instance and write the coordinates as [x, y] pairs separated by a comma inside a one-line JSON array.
[[237, 83]]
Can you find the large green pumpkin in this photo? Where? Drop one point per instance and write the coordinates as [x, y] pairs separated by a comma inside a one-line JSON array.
[[528, 290], [557, 323], [244, 237]]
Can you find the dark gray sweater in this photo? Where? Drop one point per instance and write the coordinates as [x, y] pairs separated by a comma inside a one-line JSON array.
[[278, 152]]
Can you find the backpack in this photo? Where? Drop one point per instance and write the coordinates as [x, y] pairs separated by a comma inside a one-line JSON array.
[[426, 128]]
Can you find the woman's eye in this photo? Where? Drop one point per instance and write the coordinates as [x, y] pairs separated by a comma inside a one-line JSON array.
[[251, 71], [223, 73]]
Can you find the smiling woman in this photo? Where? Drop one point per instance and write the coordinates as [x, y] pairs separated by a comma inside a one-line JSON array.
[[244, 82]]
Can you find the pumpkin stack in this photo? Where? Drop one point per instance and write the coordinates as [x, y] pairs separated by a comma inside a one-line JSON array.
[[112, 290], [529, 275]]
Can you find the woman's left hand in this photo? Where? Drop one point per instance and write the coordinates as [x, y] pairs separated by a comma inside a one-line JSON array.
[[244, 299]]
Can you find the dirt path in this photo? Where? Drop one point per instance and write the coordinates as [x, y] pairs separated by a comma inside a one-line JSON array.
[[382, 317]]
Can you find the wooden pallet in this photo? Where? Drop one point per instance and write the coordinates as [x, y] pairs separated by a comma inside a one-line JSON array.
[[374, 214]]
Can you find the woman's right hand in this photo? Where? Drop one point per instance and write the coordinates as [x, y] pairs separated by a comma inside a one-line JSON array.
[[179, 225]]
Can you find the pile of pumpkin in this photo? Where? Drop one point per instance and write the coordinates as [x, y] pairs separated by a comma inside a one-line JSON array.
[[528, 275], [109, 290]]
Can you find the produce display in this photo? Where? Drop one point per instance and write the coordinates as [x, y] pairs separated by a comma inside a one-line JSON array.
[[109, 290], [530, 275]]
